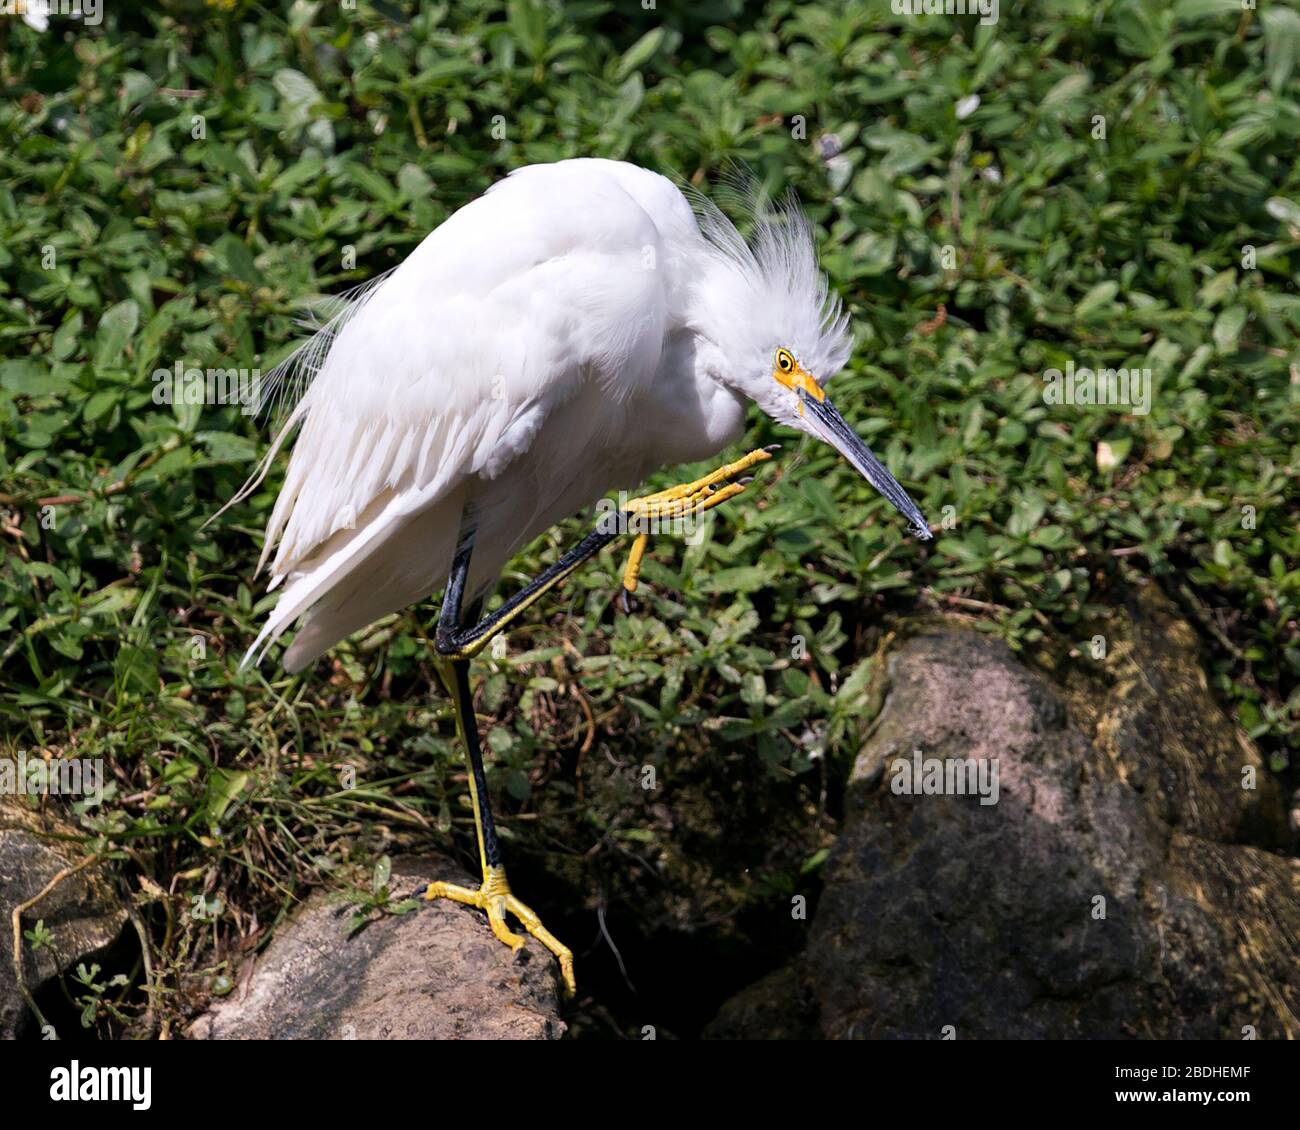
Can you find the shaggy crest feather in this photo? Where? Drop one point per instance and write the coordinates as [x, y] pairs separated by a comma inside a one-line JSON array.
[[777, 265]]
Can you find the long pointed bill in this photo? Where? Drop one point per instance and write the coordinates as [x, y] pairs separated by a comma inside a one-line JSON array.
[[827, 424]]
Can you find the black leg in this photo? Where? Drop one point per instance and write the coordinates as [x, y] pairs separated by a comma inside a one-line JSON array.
[[457, 680], [493, 895], [488, 846], [457, 645], [456, 642]]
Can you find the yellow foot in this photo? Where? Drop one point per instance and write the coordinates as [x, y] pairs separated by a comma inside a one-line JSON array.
[[686, 499], [702, 494], [495, 898]]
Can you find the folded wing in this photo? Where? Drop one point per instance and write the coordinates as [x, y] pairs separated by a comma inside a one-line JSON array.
[[443, 373]]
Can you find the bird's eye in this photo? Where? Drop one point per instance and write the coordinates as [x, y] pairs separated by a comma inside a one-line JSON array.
[[785, 360]]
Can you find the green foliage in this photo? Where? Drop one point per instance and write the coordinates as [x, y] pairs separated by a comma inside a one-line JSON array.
[[377, 899], [175, 183]]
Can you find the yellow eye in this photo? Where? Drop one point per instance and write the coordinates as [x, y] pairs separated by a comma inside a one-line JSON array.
[[785, 360]]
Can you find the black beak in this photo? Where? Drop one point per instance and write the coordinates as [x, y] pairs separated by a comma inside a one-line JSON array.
[[827, 424]]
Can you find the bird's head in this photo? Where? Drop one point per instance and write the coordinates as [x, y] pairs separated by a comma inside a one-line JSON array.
[[781, 333]]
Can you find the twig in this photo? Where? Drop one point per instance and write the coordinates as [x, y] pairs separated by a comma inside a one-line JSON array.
[[1203, 615], [576, 691], [146, 953], [966, 601], [111, 489], [587, 741], [981, 605], [16, 918]]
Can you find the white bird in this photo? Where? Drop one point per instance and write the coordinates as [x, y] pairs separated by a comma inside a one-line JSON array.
[[576, 328]]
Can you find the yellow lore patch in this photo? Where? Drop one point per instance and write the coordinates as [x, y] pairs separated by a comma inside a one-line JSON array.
[[788, 372]]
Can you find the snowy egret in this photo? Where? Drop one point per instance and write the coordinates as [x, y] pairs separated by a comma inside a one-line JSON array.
[[574, 329]]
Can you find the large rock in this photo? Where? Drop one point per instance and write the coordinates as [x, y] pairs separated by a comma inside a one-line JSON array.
[[82, 913], [436, 973], [1124, 884]]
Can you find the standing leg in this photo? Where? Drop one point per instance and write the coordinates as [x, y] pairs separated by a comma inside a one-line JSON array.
[[493, 895], [457, 645]]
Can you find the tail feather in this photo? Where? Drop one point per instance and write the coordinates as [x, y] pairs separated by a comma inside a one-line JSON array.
[[287, 383], [263, 466], [387, 562]]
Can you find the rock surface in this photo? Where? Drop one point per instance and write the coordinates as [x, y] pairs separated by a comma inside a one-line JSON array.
[[436, 973], [1124, 884], [82, 913]]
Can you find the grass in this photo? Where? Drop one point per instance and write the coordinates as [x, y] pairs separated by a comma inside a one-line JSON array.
[[176, 182]]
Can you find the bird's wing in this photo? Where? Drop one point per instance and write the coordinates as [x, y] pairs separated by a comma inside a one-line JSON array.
[[449, 367]]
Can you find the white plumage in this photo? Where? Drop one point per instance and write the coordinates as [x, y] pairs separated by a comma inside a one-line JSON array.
[[569, 332]]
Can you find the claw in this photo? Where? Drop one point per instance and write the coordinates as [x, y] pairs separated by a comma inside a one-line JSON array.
[[494, 898], [496, 912]]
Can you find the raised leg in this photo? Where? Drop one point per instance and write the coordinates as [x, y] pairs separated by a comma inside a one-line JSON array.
[[455, 642], [715, 488]]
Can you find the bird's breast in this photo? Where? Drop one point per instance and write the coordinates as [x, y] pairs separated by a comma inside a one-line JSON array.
[[685, 416]]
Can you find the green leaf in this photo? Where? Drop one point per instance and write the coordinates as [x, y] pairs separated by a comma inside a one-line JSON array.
[[223, 787], [115, 330], [25, 377], [100, 403], [1189, 11], [109, 600], [414, 183], [640, 53], [1280, 208], [221, 157], [1228, 327], [1069, 89], [298, 94], [136, 672], [1281, 44], [66, 337], [226, 447], [235, 259], [527, 22], [1099, 297]]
